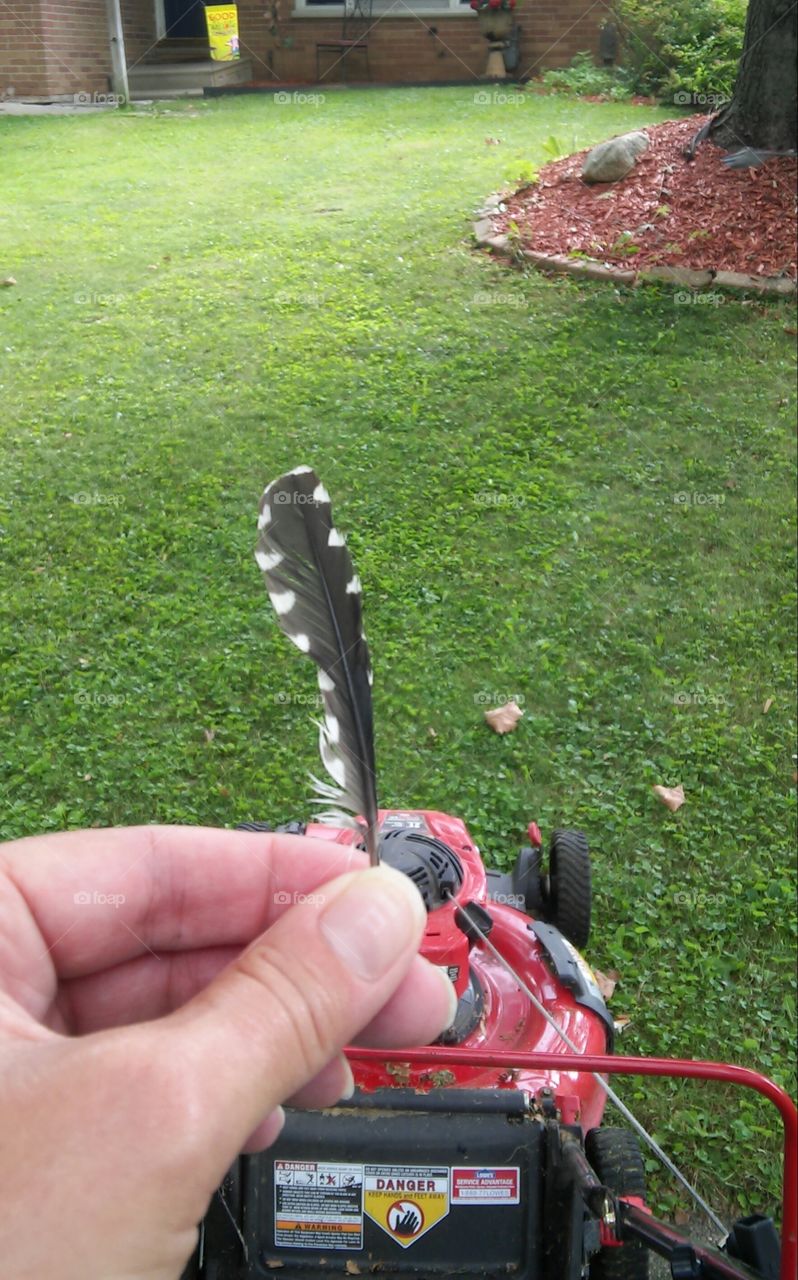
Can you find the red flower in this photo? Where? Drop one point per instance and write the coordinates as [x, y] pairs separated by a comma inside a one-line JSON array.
[[494, 4]]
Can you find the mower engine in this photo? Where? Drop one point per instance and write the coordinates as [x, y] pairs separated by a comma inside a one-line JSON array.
[[456, 1171]]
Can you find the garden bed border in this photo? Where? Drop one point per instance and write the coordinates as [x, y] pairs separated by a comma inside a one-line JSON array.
[[592, 269]]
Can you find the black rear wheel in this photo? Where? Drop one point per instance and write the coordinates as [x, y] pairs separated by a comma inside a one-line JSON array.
[[618, 1163], [568, 886]]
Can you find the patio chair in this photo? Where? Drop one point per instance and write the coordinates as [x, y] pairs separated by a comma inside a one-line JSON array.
[[354, 37]]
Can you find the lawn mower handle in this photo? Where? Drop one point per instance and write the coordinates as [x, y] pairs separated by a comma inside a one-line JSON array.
[[677, 1068]]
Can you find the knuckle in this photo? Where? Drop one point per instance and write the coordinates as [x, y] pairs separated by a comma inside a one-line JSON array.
[[305, 1008]]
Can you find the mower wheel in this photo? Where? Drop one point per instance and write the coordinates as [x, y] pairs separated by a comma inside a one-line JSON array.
[[617, 1162], [567, 892], [527, 880]]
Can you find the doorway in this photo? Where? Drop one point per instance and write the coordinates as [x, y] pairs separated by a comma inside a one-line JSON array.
[[179, 19]]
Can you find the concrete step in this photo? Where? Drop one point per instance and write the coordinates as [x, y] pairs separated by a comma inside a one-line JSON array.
[[194, 49], [148, 80]]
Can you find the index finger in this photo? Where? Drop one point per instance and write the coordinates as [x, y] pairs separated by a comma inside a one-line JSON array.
[[101, 897]]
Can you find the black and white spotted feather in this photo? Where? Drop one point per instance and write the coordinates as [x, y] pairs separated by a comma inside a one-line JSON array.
[[317, 598]]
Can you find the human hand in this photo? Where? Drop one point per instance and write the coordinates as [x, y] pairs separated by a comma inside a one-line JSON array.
[[162, 991]]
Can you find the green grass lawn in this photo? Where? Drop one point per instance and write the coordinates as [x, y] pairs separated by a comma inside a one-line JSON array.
[[575, 494]]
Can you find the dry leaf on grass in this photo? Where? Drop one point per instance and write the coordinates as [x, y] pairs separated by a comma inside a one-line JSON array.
[[767, 706], [8, 283], [671, 797], [606, 982], [504, 719]]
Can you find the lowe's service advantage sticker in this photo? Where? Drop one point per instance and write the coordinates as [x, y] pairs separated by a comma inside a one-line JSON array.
[[405, 1201], [485, 1186]]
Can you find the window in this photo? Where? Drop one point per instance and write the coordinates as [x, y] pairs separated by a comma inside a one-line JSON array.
[[380, 8]]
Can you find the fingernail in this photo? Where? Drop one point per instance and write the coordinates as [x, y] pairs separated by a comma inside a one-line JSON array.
[[377, 918], [452, 998], [348, 1081]]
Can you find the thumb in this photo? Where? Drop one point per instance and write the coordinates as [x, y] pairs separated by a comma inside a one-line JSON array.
[[289, 1003]]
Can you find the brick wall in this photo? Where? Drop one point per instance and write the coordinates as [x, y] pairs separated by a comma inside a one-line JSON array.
[[138, 19], [76, 36], [57, 48], [408, 49], [60, 47], [22, 57]]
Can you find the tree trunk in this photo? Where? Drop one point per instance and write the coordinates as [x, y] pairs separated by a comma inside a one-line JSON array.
[[762, 111]]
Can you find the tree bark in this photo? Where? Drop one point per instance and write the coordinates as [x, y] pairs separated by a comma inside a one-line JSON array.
[[762, 112]]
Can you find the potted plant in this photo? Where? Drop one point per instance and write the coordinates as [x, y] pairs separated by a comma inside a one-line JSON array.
[[495, 17]]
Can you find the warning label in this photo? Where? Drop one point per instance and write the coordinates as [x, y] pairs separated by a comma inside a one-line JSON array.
[[318, 1206], [485, 1186], [405, 1201]]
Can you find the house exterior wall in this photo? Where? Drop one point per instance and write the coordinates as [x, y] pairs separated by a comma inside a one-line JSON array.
[[59, 48], [429, 48], [23, 66]]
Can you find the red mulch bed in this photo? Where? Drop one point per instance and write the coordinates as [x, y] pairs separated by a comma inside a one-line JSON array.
[[676, 213]]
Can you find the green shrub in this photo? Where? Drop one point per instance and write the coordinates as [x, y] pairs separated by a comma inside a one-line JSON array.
[[682, 50], [583, 77]]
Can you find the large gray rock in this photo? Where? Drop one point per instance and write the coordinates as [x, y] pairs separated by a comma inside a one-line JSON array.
[[611, 161]]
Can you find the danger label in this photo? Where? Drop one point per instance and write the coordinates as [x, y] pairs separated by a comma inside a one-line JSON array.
[[318, 1205], [406, 1202], [485, 1186]]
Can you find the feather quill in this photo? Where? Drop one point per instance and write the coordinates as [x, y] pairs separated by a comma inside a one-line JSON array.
[[316, 595]]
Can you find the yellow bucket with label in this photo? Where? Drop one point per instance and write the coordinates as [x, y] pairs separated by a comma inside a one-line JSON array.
[[222, 20]]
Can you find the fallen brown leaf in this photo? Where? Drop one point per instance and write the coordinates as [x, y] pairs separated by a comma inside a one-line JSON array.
[[8, 283], [606, 982], [504, 719], [671, 797], [768, 704]]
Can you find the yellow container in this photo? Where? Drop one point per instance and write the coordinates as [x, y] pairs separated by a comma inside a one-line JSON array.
[[222, 20]]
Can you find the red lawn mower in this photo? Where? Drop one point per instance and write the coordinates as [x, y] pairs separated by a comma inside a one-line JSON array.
[[485, 1154]]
